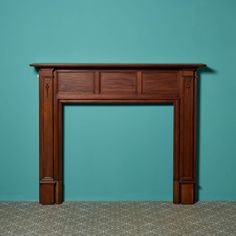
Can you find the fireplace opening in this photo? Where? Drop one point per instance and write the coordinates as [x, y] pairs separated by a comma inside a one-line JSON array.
[[118, 152]]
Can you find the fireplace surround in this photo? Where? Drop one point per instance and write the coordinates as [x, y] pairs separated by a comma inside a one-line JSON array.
[[61, 84]]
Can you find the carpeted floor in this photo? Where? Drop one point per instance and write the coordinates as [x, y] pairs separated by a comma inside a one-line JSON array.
[[118, 218]]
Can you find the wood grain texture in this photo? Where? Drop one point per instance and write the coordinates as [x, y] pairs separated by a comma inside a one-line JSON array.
[[118, 82], [46, 164], [76, 82], [61, 84], [187, 137], [160, 82]]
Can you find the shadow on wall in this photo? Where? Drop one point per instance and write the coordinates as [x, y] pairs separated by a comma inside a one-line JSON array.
[[205, 70]]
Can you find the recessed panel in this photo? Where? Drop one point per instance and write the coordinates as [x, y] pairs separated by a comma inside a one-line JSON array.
[[118, 82], [76, 82], [163, 83]]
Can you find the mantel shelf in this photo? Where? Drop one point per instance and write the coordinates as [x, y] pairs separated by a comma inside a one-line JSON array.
[[116, 66]]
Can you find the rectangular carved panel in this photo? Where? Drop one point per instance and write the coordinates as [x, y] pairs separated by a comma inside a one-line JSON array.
[[46, 195], [46, 125], [76, 82], [187, 193], [160, 82], [118, 82]]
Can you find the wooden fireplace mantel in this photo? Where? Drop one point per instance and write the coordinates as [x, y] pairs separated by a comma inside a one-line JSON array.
[[61, 84]]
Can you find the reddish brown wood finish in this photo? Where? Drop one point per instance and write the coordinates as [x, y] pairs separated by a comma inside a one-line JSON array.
[[108, 83]]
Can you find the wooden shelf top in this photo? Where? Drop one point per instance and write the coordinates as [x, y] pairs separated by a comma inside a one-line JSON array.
[[116, 66]]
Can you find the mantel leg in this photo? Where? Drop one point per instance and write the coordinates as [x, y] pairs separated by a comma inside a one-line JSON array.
[[185, 142], [47, 181]]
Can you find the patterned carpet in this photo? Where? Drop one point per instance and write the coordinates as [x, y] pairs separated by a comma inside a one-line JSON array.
[[118, 218]]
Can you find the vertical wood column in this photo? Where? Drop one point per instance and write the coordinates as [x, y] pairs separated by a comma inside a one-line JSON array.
[[187, 139], [58, 146], [47, 181]]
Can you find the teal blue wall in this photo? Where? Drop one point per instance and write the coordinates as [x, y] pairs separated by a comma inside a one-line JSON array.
[[124, 31], [118, 152]]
